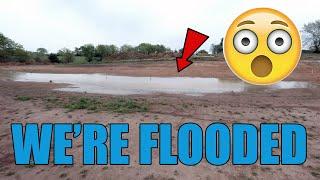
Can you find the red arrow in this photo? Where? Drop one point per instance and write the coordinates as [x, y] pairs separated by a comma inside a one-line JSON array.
[[193, 41]]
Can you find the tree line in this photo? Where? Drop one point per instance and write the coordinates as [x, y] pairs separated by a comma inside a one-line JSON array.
[[11, 51]]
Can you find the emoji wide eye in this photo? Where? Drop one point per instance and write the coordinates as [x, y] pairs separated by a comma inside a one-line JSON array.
[[245, 41], [279, 41]]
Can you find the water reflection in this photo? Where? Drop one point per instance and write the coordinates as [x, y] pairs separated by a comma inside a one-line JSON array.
[[125, 85]]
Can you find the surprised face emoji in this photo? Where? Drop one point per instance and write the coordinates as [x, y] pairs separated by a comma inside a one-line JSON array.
[[262, 46]]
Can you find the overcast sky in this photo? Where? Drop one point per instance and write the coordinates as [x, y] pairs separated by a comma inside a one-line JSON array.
[[54, 24]]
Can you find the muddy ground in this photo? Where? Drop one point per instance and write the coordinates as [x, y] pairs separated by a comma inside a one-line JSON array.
[[280, 106]]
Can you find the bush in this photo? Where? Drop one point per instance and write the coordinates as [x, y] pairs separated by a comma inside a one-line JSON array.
[[119, 105], [23, 98], [83, 103], [202, 53], [39, 58], [66, 56], [80, 60], [122, 105], [53, 58]]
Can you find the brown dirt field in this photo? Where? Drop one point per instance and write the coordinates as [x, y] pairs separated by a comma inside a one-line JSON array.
[[293, 105]]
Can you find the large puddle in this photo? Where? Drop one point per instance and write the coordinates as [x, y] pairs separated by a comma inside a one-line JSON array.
[[125, 85]]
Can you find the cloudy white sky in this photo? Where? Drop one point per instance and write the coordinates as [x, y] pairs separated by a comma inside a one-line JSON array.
[[54, 24]]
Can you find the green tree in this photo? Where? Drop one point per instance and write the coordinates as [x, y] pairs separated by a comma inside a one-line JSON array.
[[8, 44], [147, 48], [42, 51], [88, 51], [41, 55], [67, 55], [101, 51], [126, 48], [77, 51], [159, 48], [10, 50], [112, 49]]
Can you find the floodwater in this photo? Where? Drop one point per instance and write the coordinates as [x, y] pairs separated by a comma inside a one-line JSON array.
[[126, 85]]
